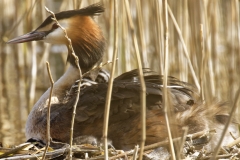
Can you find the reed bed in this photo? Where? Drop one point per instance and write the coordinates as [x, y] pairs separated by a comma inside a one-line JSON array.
[[209, 30]]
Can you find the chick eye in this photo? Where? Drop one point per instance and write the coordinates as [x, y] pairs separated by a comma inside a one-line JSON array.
[[54, 26]]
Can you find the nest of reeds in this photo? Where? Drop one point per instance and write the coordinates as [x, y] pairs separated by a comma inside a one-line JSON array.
[[194, 147]]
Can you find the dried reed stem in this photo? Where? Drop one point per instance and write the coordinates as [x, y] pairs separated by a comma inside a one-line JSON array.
[[74, 4], [181, 145], [135, 152], [33, 76], [159, 36], [79, 83], [235, 142], [184, 48], [142, 35], [14, 150], [166, 103], [142, 83], [202, 72], [49, 155], [200, 134], [48, 135], [110, 83]]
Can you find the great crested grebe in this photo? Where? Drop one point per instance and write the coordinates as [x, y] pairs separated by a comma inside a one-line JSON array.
[[124, 123]]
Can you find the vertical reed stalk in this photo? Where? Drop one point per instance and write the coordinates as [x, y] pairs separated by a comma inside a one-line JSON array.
[[110, 83]]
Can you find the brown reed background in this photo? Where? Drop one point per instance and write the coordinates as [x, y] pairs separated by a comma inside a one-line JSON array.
[[23, 75]]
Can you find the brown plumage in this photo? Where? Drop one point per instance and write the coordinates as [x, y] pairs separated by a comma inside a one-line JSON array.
[[124, 125]]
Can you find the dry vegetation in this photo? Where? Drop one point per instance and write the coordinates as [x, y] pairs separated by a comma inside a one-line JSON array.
[[214, 52]]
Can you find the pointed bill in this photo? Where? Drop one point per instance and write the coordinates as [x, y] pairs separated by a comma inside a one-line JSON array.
[[31, 36]]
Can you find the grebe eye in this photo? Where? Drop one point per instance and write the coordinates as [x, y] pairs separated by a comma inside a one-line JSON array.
[[54, 26]]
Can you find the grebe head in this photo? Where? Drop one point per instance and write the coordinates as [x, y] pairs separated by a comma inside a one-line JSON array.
[[86, 36]]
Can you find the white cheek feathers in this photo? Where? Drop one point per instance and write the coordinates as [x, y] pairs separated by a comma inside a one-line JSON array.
[[57, 36]]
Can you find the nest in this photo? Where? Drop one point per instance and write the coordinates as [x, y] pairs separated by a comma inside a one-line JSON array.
[[191, 147]]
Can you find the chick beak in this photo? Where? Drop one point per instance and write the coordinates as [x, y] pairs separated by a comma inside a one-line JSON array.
[[31, 36]]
